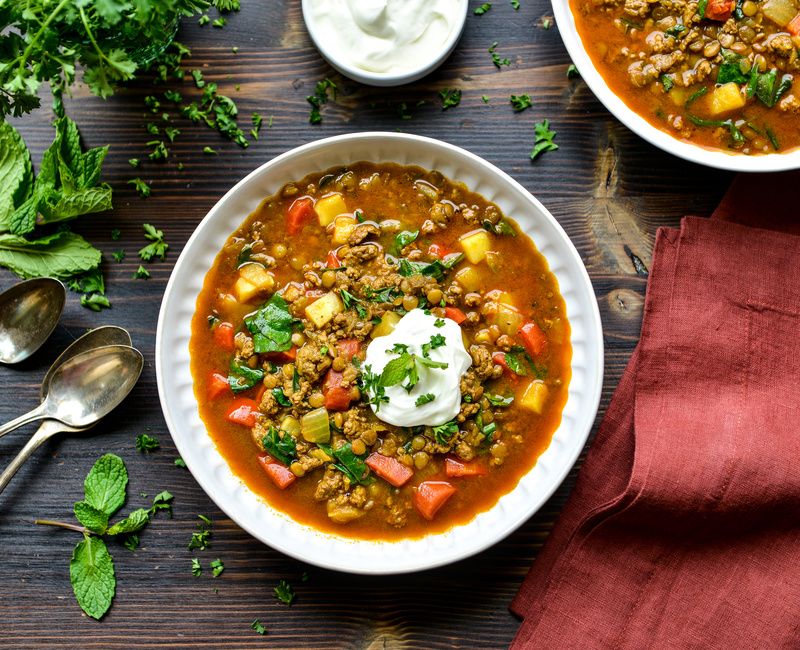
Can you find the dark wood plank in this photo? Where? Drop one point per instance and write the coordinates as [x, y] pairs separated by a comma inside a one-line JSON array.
[[609, 190]]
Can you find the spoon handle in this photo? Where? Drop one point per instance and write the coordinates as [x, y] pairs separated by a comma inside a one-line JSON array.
[[16, 423], [47, 430]]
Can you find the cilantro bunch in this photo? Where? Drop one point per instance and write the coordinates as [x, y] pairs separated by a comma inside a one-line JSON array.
[[45, 41]]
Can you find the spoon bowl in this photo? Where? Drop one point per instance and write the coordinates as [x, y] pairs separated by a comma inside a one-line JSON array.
[[29, 312]]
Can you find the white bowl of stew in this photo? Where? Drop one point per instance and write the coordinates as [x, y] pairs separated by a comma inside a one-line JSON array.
[[710, 106], [271, 520]]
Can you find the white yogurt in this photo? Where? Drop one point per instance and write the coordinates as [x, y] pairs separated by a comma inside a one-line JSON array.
[[385, 36], [415, 329]]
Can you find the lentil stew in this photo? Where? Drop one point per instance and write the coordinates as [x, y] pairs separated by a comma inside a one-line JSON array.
[[294, 300], [717, 73]]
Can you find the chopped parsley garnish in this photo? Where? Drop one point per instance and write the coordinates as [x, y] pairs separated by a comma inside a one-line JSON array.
[[425, 399], [283, 449], [451, 97], [515, 5], [499, 400], [210, 151], [146, 443], [217, 567], [572, 71], [219, 23], [485, 99], [142, 188], [257, 121], [157, 246], [133, 162], [202, 538], [498, 62], [141, 273], [675, 30], [284, 592], [437, 341], [118, 255], [666, 82], [271, 326], [258, 627], [116, 234], [502, 227], [479, 11], [435, 269], [319, 98], [439, 322], [179, 462], [444, 432], [520, 102], [384, 295], [372, 388], [351, 302], [544, 139], [197, 569]]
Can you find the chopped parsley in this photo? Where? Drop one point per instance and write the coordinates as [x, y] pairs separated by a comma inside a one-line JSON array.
[[197, 569], [666, 82], [142, 188], [202, 538], [319, 98], [146, 443], [572, 71], [371, 386], [515, 5], [479, 11], [141, 273], [179, 462], [157, 246], [258, 627], [217, 567], [520, 102], [485, 99], [426, 398], [351, 302], [496, 59], [210, 151], [444, 432], [435, 269], [451, 97], [257, 121], [116, 234], [544, 139], [118, 255], [439, 322], [499, 400], [284, 592], [437, 341]]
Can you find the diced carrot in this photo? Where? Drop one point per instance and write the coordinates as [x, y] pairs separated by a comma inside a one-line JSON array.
[[389, 469], [794, 26], [217, 385], [533, 338], [300, 212], [720, 10], [348, 348], [455, 468], [260, 394], [285, 356], [333, 261], [430, 496], [337, 397], [500, 359], [243, 411], [223, 336], [281, 475], [437, 250], [454, 313]]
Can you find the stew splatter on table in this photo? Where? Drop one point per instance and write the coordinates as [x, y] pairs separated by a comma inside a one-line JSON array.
[[609, 190]]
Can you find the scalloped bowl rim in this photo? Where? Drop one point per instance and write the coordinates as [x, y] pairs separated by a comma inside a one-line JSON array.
[[277, 529], [771, 162]]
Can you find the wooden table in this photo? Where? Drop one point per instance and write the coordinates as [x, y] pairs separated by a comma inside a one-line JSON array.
[[608, 188]]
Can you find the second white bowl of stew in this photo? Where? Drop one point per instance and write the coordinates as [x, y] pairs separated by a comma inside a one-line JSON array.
[[378, 353], [714, 81]]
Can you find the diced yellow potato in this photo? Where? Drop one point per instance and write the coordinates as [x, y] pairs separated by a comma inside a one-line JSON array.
[[245, 291], [476, 244], [469, 277], [329, 207], [535, 396], [678, 96], [388, 322], [498, 295], [257, 275], [343, 227], [323, 309], [507, 317], [780, 12], [726, 98]]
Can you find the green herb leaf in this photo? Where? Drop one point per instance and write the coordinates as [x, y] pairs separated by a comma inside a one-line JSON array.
[[444, 432], [217, 567], [675, 30], [666, 82], [95, 302], [118, 255], [133, 523], [283, 449], [319, 98], [179, 462], [498, 62], [349, 464], [499, 400], [403, 239], [730, 69], [141, 273], [351, 302], [520, 102], [157, 248], [572, 71], [544, 139], [451, 97], [59, 255], [197, 569], [105, 484], [424, 399], [91, 571], [257, 626], [271, 326], [502, 227], [479, 11], [241, 377], [142, 188], [202, 538], [16, 172], [93, 519], [280, 397], [284, 592], [146, 443]]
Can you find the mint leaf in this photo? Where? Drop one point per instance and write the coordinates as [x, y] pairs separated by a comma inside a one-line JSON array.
[[93, 519], [75, 204], [16, 172], [134, 522], [58, 255], [105, 484], [91, 571]]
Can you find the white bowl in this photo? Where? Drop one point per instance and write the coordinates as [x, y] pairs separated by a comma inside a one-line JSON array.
[[770, 162], [277, 529], [384, 78]]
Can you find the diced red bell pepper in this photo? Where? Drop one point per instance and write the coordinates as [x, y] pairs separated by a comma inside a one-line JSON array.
[[337, 397], [243, 411], [389, 469], [456, 468], [794, 26], [300, 212], [720, 10], [348, 348], [430, 496], [217, 385], [333, 261], [437, 250], [454, 313], [223, 336], [533, 338], [280, 474], [285, 356]]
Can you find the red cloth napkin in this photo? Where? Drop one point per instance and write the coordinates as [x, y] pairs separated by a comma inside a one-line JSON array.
[[683, 530]]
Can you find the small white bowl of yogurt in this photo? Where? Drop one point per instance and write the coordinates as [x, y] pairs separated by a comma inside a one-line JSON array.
[[385, 42]]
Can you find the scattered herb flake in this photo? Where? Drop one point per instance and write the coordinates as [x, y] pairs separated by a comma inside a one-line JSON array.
[[520, 102], [141, 273], [157, 246], [146, 443], [258, 627], [320, 97], [450, 97], [424, 399], [572, 71], [479, 11], [142, 188], [496, 59], [544, 139], [179, 462], [284, 592], [217, 567], [118, 255], [197, 568]]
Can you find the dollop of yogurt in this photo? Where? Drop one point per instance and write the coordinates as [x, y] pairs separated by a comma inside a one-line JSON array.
[[384, 36], [414, 330]]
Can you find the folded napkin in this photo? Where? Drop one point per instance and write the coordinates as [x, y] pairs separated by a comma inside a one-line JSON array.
[[683, 528]]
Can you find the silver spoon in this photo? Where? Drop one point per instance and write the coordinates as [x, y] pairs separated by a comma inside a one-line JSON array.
[[86, 387], [29, 312], [106, 374]]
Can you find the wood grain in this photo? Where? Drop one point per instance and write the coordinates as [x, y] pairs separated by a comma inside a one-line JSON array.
[[609, 190]]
